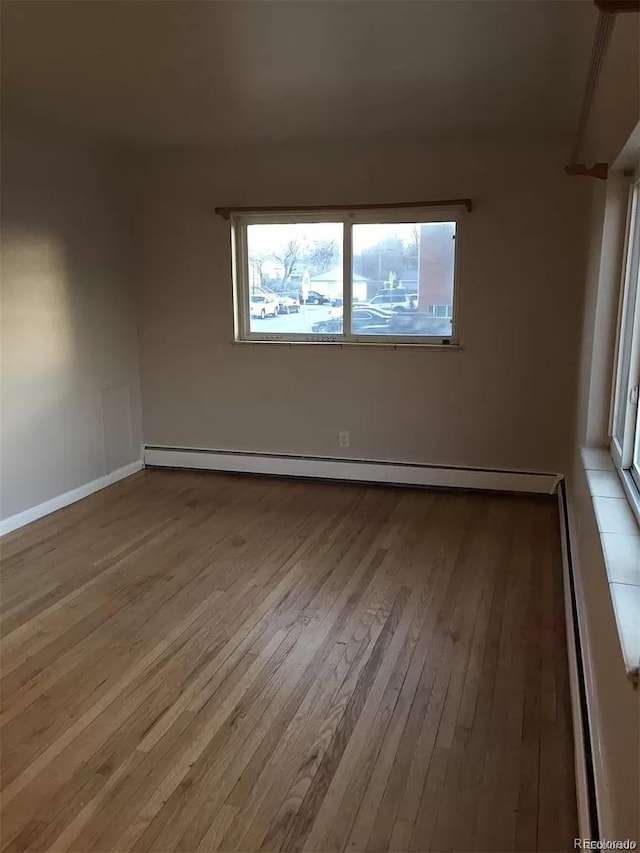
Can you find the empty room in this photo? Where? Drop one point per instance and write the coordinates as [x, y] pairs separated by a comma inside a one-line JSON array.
[[320, 435]]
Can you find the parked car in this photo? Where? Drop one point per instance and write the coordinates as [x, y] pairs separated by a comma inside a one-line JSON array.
[[398, 299], [370, 320], [366, 314], [418, 323], [288, 305], [315, 298], [362, 318], [332, 326], [264, 305]]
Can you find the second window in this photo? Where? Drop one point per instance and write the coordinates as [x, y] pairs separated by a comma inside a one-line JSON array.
[[346, 278]]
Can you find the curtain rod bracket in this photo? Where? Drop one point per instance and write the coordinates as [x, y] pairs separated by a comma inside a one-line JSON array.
[[598, 170]]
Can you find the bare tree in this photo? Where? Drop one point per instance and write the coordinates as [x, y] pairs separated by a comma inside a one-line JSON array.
[[323, 256], [288, 256]]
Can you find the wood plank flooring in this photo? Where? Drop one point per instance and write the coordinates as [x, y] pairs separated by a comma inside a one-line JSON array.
[[202, 662]]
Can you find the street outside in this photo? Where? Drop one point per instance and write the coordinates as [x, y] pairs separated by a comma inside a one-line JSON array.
[[299, 323]]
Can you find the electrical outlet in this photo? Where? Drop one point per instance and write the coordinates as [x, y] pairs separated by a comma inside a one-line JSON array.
[[344, 438]]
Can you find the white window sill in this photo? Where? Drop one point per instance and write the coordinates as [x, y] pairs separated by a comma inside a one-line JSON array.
[[390, 345], [620, 537]]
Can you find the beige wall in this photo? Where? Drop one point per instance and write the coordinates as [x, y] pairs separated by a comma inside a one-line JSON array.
[[505, 400], [70, 381], [616, 706]]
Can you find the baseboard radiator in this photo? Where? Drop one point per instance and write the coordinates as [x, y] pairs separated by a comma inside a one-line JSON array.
[[354, 470], [586, 787]]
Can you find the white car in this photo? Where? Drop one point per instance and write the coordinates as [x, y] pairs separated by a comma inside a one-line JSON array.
[[264, 306], [287, 305], [395, 300]]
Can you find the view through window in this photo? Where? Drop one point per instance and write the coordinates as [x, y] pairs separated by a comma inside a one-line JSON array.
[[397, 284], [295, 276], [625, 439]]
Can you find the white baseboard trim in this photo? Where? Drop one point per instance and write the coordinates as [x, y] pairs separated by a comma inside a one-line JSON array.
[[584, 758], [392, 473], [12, 523]]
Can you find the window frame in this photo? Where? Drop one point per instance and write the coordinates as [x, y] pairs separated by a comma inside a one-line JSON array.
[[625, 448], [347, 218]]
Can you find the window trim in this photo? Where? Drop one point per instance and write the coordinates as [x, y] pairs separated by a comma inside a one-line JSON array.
[[624, 448], [634, 470], [348, 218]]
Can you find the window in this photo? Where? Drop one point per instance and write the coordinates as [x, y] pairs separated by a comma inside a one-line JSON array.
[[348, 277], [625, 420]]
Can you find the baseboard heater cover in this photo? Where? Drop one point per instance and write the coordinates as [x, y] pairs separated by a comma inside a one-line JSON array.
[[586, 785], [356, 470]]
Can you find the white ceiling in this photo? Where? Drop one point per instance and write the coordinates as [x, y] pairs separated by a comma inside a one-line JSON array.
[[253, 71]]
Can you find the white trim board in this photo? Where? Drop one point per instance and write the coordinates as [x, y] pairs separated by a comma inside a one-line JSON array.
[[7, 525], [356, 470]]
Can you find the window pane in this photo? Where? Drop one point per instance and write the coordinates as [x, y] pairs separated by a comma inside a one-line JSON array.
[[635, 464], [623, 423], [403, 273], [625, 366], [295, 278]]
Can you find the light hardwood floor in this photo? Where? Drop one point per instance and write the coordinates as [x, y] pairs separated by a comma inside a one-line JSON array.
[[203, 662]]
